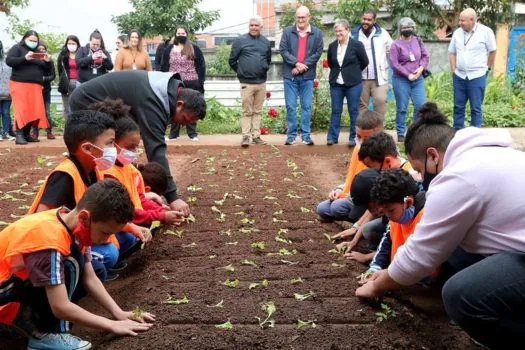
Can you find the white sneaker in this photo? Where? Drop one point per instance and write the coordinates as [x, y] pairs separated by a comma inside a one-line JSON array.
[[194, 139]]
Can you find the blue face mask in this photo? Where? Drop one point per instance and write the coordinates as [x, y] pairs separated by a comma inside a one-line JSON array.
[[31, 44], [408, 214]]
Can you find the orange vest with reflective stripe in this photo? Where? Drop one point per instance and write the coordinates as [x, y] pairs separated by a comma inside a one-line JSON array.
[[37, 232], [66, 166], [131, 178], [399, 233], [354, 168]]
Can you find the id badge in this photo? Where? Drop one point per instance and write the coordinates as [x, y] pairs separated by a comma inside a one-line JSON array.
[[412, 57], [134, 66], [95, 71]]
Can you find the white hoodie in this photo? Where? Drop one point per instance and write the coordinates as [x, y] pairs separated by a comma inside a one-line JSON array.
[[476, 202]]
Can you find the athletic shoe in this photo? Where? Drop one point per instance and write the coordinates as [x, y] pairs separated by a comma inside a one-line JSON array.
[[111, 276], [57, 341], [290, 141], [194, 139], [8, 137], [245, 141], [258, 141], [308, 142], [119, 266], [330, 143]]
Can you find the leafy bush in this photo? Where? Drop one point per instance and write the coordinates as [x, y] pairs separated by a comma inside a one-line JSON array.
[[218, 64]]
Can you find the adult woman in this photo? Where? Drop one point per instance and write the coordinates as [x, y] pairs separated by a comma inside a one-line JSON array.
[[408, 59], [185, 58], [5, 98], [93, 60], [67, 71], [132, 56], [465, 211], [346, 58], [121, 39], [46, 93], [26, 84]]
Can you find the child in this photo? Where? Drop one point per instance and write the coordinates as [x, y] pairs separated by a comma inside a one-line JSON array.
[[397, 193], [339, 206], [89, 138], [45, 261]]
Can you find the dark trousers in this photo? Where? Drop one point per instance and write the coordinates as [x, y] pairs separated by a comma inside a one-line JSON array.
[[472, 91], [191, 129], [487, 298]]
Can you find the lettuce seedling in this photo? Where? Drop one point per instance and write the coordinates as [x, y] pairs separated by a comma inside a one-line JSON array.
[[278, 212], [137, 313], [337, 265], [221, 218], [216, 210], [220, 305], [248, 230], [3, 223], [270, 190], [297, 174], [232, 243], [240, 213], [258, 245], [249, 262], [305, 210], [277, 220], [193, 188], [229, 267], [191, 245], [309, 186], [289, 263], [270, 198], [231, 283], [303, 297], [363, 278], [212, 257], [248, 221], [297, 280], [253, 285], [385, 314], [178, 233], [237, 197], [172, 301], [226, 232], [221, 202], [329, 238], [282, 240], [189, 219], [225, 326], [191, 200], [292, 194], [301, 324], [270, 309]]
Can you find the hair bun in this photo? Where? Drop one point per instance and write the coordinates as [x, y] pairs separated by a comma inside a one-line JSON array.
[[429, 113]]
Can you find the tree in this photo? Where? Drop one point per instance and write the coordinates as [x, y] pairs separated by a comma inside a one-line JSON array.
[[17, 27], [159, 17], [6, 5], [352, 10], [317, 9]]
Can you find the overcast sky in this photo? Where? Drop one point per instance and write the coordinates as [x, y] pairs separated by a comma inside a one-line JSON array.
[[81, 17]]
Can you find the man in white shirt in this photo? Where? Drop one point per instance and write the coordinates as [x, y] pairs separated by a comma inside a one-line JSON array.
[[377, 44], [472, 51]]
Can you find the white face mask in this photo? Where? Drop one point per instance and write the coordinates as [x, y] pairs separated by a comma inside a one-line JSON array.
[[109, 156], [126, 157], [72, 48]]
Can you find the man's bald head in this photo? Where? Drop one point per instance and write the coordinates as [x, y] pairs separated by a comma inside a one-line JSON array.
[[302, 17], [467, 19]]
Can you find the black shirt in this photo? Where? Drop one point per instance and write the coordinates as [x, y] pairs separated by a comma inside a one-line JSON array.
[[25, 71]]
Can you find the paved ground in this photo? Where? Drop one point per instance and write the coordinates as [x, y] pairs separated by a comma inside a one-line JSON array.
[[518, 135]]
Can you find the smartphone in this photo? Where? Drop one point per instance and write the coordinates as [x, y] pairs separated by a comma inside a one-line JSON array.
[[39, 55]]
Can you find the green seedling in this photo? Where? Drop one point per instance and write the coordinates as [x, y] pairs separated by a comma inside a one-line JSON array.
[[265, 283], [283, 240], [287, 179], [210, 171], [28, 193], [263, 173], [216, 210], [194, 188], [226, 232], [385, 314], [249, 262], [225, 326], [166, 278], [210, 160], [258, 245], [172, 301], [278, 220], [248, 230], [303, 297], [229, 267], [17, 216], [213, 185], [7, 196], [301, 324], [178, 233], [248, 221], [329, 238], [305, 210], [25, 184], [309, 186], [191, 200], [220, 305], [270, 309], [24, 207], [41, 182], [191, 245], [297, 174], [292, 194], [190, 219], [137, 313], [270, 190], [41, 160], [337, 265], [291, 164], [297, 280], [221, 218], [155, 224], [363, 278], [278, 212], [240, 213], [237, 197], [232, 243], [212, 257], [289, 263], [341, 251], [221, 202], [253, 285], [231, 283], [270, 198]]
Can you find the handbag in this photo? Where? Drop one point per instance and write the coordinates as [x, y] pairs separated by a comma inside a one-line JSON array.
[[426, 73], [63, 81]]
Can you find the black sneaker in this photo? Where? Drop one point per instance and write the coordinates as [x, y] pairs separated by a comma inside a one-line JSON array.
[[245, 141], [290, 141], [111, 276], [308, 142], [258, 141], [119, 266]]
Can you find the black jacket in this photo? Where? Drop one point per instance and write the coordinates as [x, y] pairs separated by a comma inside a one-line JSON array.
[[250, 58], [152, 97], [86, 64], [49, 77], [25, 71], [200, 64], [158, 55], [354, 62]]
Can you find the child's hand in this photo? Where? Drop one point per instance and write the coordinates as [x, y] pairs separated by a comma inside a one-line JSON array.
[[144, 233], [129, 327], [154, 197], [346, 233], [333, 195], [349, 246], [174, 217]]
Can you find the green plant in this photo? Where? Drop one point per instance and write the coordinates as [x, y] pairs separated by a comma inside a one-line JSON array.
[[172, 301], [225, 326], [385, 314], [270, 309], [303, 297], [297, 280], [218, 63], [301, 324], [220, 305], [231, 283], [137, 313], [258, 245]]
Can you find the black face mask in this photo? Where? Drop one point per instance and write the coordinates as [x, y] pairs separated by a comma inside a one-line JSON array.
[[407, 33], [181, 39], [428, 177]]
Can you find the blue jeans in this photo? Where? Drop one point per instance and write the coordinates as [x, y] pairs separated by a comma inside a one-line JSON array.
[[487, 299], [341, 209], [472, 91], [108, 253], [353, 97], [304, 89], [5, 107], [404, 90]]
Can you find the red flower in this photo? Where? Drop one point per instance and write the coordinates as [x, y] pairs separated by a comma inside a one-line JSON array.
[[268, 95], [316, 83], [264, 131], [272, 113], [325, 63]]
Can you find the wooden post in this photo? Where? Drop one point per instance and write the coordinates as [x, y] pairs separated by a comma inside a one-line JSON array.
[[502, 52]]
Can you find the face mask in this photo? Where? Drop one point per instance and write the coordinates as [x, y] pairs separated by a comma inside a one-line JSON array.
[[72, 48], [428, 177], [181, 39], [31, 44], [408, 214], [83, 234], [109, 156], [407, 33], [126, 156]]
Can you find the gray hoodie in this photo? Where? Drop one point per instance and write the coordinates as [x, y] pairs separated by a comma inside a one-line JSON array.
[[5, 75]]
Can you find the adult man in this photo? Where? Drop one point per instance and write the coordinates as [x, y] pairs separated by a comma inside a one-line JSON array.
[[377, 44], [301, 47], [472, 51], [250, 57], [156, 99]]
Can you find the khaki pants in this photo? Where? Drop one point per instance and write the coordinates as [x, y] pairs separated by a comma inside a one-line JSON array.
[[379, 96], [252, 96]]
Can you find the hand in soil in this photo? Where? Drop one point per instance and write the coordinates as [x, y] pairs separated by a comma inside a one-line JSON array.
[[346, 233], [144, 233], [349, 246], [130, 315], [129, 327], [174, 218], [180, 205], [360, 257], [370, 289]]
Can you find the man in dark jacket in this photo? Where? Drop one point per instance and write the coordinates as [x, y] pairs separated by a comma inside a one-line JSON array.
[[301, 47], [156, 99], [250, 57]]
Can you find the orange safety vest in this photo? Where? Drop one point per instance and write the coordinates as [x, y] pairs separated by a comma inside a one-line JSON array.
[[354, 168], [37, 232], [399, 233], [131, 178]]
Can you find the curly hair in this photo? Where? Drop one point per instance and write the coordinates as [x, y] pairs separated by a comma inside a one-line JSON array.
[[154, 176], [120, 112], [85, 126], [378, 146], [392, 186], [107, 200]]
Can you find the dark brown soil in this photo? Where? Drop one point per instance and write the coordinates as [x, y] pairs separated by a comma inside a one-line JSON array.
[[169, 266]]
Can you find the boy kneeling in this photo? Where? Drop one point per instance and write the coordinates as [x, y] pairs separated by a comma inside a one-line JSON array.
[[44, 256]]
